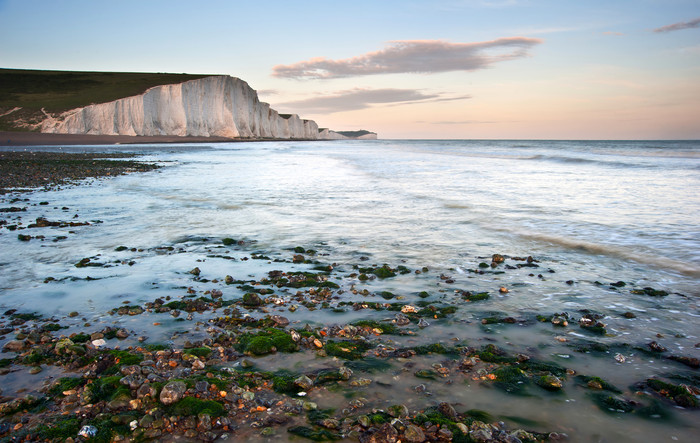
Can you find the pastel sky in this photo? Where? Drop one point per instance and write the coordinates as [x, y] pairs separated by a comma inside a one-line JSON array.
[[523, 69]]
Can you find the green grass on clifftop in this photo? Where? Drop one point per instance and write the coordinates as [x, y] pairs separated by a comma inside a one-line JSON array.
[[58, 91]]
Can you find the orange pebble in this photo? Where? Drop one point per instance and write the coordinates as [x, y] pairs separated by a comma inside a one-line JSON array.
[[156, 324]]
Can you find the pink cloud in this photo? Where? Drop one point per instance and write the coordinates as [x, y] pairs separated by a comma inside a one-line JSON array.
[[695, 23], [413, 56]]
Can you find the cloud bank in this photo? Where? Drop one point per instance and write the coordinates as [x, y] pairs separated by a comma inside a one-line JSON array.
[[413, 56], [695, 23], [362, 98]]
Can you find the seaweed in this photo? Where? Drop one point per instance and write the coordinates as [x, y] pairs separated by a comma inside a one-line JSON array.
[[511, 380], [385, 328], [196, 406], [199, 352], [60, 429], [679, 394], [368, 365], [349, 350], [65, 384], [315, 434], [266, 341], [597, 383]]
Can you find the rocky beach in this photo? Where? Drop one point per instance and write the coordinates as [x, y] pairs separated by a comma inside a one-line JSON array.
[[217, 333]]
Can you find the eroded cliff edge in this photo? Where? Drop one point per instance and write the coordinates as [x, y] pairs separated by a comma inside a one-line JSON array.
[[217, 106]]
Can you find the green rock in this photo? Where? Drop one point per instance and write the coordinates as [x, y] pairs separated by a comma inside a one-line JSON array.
[[549, 382], [251, 299]]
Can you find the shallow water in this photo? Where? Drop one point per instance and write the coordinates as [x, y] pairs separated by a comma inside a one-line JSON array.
[[591, 212]]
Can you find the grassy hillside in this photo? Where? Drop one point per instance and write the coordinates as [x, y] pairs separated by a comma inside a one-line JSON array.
[[58, 91]]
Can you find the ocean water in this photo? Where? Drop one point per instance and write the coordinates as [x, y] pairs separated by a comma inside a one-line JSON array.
[[589, 212]]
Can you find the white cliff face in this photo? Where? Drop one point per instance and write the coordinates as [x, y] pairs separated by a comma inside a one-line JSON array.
[[218, 106]]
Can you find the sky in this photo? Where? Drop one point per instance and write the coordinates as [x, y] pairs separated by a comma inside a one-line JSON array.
[[472, 69]]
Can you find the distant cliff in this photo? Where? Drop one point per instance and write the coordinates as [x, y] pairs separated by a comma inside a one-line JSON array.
[[217, 106]]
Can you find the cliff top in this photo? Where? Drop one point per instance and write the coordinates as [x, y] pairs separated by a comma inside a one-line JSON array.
[[58, 91]]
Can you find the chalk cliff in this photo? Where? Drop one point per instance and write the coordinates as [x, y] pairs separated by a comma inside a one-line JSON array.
[[218, 106]]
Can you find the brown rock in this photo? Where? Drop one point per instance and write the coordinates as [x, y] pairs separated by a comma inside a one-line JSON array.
[[13, 346]]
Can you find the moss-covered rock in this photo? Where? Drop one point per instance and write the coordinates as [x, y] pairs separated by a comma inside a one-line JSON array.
[[511, 379], [347, 349], [195, 406]]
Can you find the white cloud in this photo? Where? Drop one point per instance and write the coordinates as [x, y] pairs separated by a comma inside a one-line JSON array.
[[695, 23], [362, 98], [413, 56]]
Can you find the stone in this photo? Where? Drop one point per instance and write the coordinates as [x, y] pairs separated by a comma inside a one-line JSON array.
[[330, 423], [304, 382], [345, 372], [145, 390], [122, 334], [654, 346], [152, 433], [398, 411], [87, 431], [280, 321], [422, 323], [204, 422], [198, 364], [481, 435], [172, 392], [462, 428], [364, 421], [402, 320], [63, 345], [413, 434], [13, 346], [133, 381], [266, 398], [549, 382], [448, 411], [385, 434], [445, 434], [252, 299], [130, 370]]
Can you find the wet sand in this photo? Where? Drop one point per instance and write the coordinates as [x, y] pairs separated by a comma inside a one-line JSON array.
[[40, 139]]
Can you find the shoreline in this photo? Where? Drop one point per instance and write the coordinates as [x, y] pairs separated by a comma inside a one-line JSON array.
[[239, 341], [26, 139], [36, 170]]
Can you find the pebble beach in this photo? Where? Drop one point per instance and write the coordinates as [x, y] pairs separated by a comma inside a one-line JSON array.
[[136, 306]]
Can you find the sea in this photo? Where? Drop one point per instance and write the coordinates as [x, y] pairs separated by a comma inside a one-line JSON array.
[[612, 229]]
